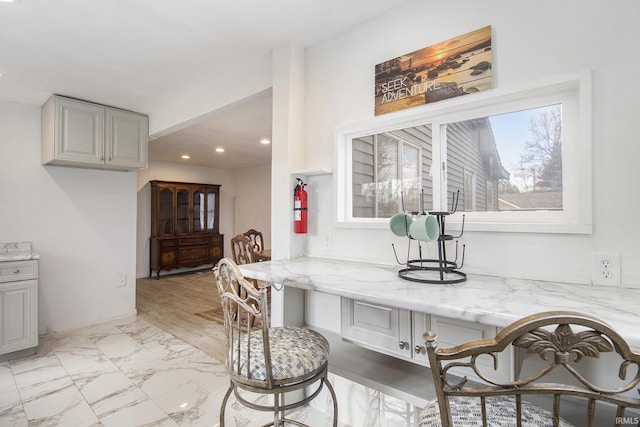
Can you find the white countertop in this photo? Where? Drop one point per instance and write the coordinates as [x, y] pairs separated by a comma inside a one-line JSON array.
[[483, 299], [17, 252]]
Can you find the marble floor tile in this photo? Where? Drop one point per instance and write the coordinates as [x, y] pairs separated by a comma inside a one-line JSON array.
[[139, 371], [125, 373]]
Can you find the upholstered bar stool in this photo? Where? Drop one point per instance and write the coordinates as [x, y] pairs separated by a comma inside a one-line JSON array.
[[264, 360]]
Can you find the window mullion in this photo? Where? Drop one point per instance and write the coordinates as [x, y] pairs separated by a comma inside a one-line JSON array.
[[399, 177], [438, 171], [375, 176]]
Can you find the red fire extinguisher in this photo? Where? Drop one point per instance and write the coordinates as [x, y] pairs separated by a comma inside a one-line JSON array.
[[300, 208]]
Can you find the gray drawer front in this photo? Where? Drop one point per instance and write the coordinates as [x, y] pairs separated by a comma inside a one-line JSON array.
[[12, 271]]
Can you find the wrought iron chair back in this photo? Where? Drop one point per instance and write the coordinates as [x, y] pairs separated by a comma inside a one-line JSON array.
[[266, 360], [563, 340]]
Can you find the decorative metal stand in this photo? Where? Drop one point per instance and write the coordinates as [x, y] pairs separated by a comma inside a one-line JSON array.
[[442, 266]]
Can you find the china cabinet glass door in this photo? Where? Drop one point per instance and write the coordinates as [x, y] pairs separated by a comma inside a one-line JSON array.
[[165, 211], [182, 211], [198, 211], [211, 211]]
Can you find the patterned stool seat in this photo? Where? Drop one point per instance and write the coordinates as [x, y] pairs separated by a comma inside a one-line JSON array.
[[501, 412], [295, 352]]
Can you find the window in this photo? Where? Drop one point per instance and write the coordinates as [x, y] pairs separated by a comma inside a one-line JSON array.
[[386, 172], [511, 160], [519, 152]]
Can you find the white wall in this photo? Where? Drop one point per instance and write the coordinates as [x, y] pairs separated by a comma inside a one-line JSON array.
[[226, 84], [252, 203], [531, 41], [81, 222]]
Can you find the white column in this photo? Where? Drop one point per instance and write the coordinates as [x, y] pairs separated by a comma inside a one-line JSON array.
[[287, 153]]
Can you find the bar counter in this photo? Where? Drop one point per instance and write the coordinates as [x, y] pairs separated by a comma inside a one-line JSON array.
[[483, 299]]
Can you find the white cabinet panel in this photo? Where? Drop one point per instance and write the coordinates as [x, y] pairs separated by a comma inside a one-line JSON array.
[[453, 332], [84, 134], [81, 132], [11, 271], [381, 328], [19, 315], [398, 333], [125, 134]]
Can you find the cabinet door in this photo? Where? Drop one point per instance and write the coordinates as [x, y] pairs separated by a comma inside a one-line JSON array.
[[126, 139], [381, 328], [453, 332], [199, 210], [183, 210], [19, 315], [165, 211], [216, 251], [80, 132], [212, 210]]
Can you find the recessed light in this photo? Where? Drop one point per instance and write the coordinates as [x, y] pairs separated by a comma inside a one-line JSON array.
[[9, 1], [220, 150], [184, 156], [265, 141]]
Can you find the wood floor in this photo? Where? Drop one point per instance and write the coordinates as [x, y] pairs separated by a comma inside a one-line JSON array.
[[171, 303]]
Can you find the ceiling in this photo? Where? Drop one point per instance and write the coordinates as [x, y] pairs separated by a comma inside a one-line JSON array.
[[136, 54]]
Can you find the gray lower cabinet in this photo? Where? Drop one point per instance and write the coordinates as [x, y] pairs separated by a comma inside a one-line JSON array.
[[18, 307], [398, 332]]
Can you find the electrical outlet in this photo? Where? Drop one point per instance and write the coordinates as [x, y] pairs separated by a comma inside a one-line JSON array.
[[326, 241], [122, 280], [606, 269]]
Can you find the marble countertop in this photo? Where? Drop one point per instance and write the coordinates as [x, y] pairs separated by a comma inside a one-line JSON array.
[[484, 299], [17, 252]]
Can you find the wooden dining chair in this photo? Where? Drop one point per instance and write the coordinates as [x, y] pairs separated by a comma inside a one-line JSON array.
[[265, 360], [242, 249], [560, 343], [256, 239]]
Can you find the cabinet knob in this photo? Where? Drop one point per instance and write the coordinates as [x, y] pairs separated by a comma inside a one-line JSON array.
[[420, 349], [16, 271], [403, 345]]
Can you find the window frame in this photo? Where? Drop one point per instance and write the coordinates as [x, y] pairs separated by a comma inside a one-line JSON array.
[[573, 92]]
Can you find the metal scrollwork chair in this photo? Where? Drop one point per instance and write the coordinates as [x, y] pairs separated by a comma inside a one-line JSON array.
[[264, 360], [564, 341]]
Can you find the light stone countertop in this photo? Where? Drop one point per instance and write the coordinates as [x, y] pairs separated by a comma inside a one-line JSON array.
[[17, 252], [484, 299]]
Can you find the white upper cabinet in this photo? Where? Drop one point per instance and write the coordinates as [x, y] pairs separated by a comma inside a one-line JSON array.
[[82, 134]]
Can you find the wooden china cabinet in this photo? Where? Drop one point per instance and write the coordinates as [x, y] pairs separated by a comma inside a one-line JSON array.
[[185, 225]]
